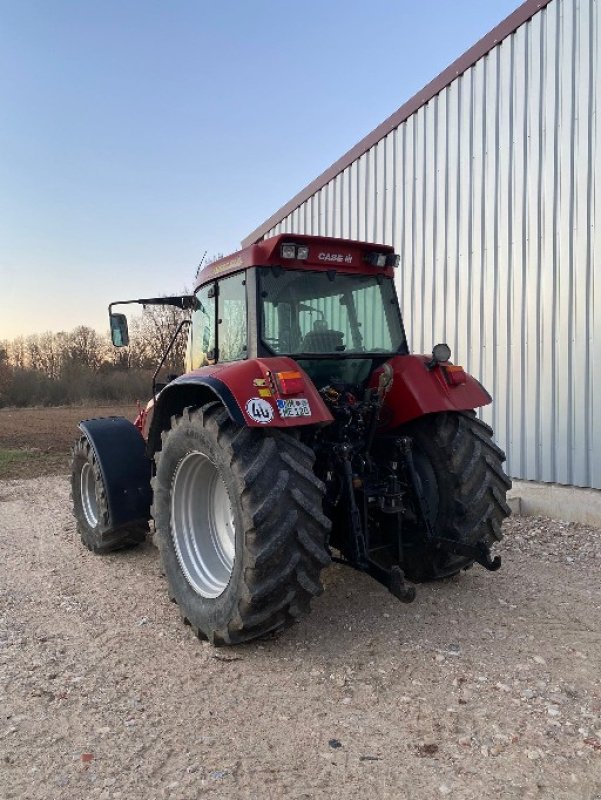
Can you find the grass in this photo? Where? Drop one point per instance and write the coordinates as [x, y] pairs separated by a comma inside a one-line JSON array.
[[30, 463], [9, 458], [6, 456]]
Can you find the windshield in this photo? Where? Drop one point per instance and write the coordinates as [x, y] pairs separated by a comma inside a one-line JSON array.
[[306, 312]]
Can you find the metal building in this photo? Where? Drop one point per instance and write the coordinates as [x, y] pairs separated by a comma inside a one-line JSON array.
[[485, 183]]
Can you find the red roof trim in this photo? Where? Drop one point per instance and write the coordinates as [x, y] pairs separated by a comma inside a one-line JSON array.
[[509, 25], [325, 253]]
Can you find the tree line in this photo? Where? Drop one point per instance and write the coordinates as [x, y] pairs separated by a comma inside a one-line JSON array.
[[82, 365]]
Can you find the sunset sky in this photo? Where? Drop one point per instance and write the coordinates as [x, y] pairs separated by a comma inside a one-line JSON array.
[[136, 134]]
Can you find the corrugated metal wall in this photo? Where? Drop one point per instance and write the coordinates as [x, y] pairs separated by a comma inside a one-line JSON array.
[[490, 195]]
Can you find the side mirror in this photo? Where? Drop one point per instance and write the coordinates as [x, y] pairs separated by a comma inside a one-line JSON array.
[[119, 331]]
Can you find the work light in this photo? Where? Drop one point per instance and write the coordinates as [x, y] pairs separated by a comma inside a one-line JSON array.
[[441, 352], [376, 259], [288, 251], [382, 259]]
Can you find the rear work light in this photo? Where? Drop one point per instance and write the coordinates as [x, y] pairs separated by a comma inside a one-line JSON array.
[[382, 259], [298, 251], [289, 382]]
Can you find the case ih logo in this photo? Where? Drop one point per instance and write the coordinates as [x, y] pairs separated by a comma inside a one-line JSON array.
[[231, 263], [338, 257]]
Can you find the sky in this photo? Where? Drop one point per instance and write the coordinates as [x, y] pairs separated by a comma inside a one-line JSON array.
[[135, 135]]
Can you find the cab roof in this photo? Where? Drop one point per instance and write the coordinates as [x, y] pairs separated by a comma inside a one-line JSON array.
[[325, 253]]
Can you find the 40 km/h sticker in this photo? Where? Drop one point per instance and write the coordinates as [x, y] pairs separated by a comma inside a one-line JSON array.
[[259, 410]]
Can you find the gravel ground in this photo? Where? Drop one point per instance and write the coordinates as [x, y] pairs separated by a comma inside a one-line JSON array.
[[486, 687]]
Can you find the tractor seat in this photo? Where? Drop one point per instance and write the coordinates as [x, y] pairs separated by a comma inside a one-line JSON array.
[[322, 340]]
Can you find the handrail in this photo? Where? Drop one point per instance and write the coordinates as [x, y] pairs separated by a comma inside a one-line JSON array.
[[166, 353]]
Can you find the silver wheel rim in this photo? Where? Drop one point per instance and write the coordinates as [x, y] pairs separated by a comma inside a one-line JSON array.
[[202, 525], [88, 495]]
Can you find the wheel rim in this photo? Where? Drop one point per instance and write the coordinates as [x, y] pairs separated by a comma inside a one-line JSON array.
[[88, 495], [202, 525]]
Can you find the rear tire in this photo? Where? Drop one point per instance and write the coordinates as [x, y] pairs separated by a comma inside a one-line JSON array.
[[246, 560], [90, 507], [460, 468]]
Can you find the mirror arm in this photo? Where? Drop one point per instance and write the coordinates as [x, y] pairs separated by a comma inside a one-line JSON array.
[[167, 351], [184, 301]]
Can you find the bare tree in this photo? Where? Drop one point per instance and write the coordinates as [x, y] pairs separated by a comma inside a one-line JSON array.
[[5, 372], [47, 353], [58, 367], [17, 353], [86, 347], [34, 352], [151, 334]]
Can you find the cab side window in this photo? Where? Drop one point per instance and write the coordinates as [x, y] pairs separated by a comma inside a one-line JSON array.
[[201, 346], [231, 325]]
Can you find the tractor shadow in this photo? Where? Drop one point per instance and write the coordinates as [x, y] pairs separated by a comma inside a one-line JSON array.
[[355, 610], [452, 614]]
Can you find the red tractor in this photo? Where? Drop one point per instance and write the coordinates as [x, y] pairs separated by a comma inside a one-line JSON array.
[[302, 427]]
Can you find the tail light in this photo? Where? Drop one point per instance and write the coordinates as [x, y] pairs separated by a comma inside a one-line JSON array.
[[289, 382], [454, 374]]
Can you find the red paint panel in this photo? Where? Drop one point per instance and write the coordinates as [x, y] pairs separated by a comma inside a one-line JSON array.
[[250, 381], [416, 391]]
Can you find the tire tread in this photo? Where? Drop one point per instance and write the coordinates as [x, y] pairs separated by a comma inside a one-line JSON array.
[[283, 542], [477, 483]]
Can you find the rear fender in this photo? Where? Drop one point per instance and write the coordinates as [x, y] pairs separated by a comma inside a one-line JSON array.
[[120, 452], [417, 390], [246, 389]]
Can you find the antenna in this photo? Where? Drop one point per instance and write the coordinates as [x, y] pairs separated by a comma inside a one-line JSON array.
[[200, 264]]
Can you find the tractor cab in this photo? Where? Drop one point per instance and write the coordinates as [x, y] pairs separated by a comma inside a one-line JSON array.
[[329, 305]]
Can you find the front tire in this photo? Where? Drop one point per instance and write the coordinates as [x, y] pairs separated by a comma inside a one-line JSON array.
[[239, 521], [90, 506], [460, 469]]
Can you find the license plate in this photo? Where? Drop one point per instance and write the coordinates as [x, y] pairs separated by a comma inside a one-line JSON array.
[[296, 407]]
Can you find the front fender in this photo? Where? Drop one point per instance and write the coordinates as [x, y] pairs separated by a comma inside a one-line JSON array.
[[120, 452], [417, 390]]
